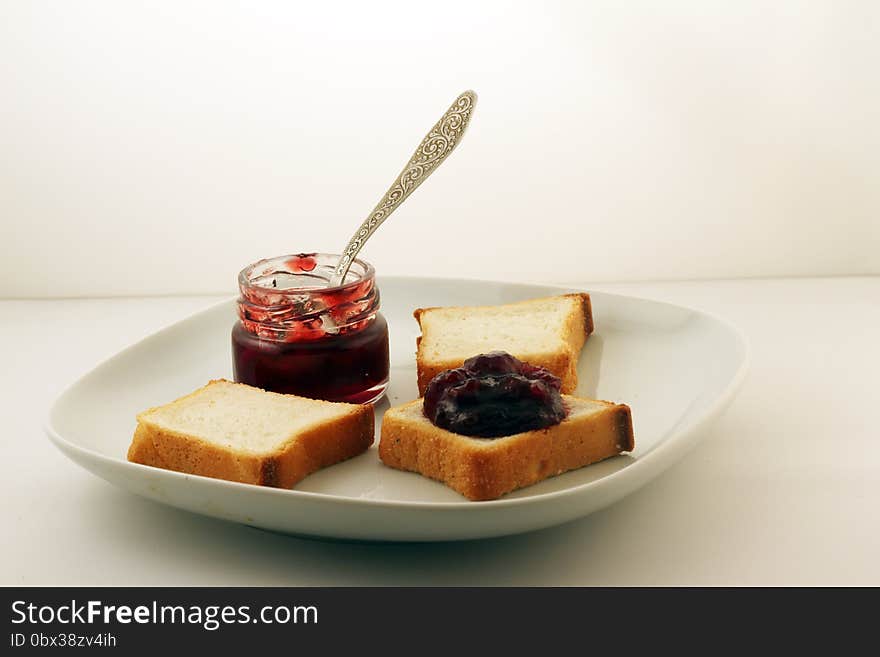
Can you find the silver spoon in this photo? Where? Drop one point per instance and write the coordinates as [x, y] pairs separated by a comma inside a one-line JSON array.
[[435, 147]]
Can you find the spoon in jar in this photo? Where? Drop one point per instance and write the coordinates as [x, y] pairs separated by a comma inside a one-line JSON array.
[[435, 147]]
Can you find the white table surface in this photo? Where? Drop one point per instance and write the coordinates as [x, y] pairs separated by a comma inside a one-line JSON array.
[[784, 489]]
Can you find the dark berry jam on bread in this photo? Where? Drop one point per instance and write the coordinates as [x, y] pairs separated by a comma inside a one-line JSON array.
[[494, 395]]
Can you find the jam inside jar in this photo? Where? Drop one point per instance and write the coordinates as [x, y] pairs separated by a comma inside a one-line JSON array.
[[296, 335]]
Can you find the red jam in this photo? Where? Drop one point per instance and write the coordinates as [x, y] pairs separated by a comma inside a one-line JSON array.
[[298, 336]]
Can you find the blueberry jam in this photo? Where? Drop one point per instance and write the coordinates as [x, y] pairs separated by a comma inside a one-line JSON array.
[[493, 395]]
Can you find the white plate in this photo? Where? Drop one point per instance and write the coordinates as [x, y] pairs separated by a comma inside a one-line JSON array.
[[677, 368]]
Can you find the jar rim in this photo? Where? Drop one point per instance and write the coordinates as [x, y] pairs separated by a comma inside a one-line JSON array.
[[246, 275]]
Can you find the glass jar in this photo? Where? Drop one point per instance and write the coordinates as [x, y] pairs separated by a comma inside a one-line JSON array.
[[299, 336]]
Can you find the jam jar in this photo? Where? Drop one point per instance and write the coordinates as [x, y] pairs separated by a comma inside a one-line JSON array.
[[298, 335]]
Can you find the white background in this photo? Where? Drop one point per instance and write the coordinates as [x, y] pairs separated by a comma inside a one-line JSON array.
[[158, 149]]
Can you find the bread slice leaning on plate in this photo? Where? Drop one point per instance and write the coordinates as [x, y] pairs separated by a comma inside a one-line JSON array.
[[487, 468], [549, 332], [239, 433]]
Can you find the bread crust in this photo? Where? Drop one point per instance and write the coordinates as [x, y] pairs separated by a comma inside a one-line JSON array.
[[323, 445], [485, 469], [562, 362]]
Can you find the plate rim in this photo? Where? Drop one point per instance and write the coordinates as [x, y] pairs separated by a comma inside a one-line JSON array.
[[665, 449]]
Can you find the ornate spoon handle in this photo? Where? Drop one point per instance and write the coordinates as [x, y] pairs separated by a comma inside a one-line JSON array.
[[435, 147]]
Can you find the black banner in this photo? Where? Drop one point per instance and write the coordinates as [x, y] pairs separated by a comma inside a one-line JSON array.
[[252, 619]]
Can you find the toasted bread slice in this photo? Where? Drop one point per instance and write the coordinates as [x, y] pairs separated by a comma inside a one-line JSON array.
[[487, 468], [549, 332], [235, 432]]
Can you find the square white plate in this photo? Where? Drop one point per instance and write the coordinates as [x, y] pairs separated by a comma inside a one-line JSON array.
[[676, 367]]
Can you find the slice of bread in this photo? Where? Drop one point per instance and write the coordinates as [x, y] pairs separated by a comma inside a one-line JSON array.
[[487, 468], [235, 432], [549, 332]]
